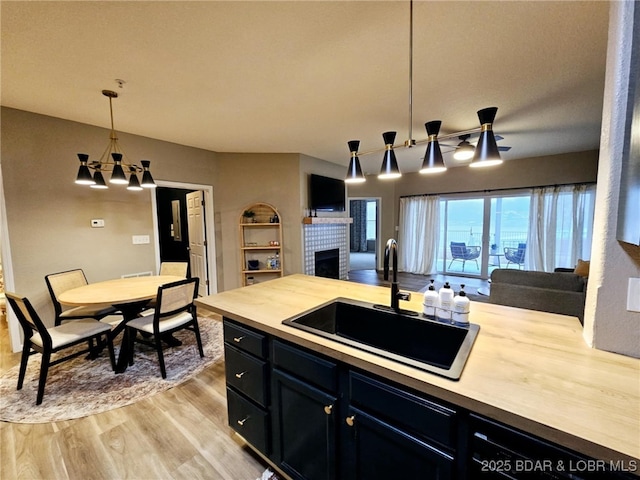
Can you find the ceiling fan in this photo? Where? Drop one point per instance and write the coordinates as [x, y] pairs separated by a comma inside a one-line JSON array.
[[465, 149]]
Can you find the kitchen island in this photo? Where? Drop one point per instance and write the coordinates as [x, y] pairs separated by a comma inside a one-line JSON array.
[[528, 370]]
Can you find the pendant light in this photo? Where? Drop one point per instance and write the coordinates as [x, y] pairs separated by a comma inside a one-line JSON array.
[[487, 153], [354, 173], [112, 160], [389, 169], [433, 161]]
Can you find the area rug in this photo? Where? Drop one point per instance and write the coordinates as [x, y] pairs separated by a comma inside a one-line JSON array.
[[81, 387]]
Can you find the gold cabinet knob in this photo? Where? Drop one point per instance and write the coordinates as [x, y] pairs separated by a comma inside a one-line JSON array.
[[239, 375], [237, 339], [328, 409], [241, 422], [351, 420]]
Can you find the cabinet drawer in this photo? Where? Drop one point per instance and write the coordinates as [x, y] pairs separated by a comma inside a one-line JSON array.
[[245, 339], [322, 373], [249, 421], [404, 409], [247, 374]]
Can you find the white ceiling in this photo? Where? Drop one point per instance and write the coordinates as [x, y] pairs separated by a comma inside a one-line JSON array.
[[308, 76]]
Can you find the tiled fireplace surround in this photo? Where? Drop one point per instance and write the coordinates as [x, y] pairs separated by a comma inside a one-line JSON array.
[[319, 237]]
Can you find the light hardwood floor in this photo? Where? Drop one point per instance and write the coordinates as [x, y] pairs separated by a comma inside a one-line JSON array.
[[180, 433]]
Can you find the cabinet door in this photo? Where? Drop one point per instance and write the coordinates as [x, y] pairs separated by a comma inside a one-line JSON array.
[[304, 428], [377, 450]]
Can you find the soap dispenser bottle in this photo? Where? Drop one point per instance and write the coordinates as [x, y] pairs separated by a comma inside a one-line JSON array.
[[461, 307], [443, 312], [430, 302]]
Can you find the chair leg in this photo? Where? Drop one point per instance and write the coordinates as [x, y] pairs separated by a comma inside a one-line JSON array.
[[44, 370], [26, 349], [451, 263], [158, 341], [196, 330]]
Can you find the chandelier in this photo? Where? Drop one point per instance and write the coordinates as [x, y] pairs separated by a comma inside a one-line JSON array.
[[485, 154], [115, 161]]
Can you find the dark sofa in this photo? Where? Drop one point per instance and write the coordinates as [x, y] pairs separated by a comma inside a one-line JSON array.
[[557, 292]]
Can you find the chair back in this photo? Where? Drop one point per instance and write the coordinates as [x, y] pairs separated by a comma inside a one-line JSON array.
[[28, 318], [458, 249], [179, 269], [60, 282], [176, 297]]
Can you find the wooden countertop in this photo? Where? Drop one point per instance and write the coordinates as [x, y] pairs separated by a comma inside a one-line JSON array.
[[531, 370]]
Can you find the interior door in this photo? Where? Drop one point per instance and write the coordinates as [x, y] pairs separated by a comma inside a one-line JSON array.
[[197, 240]]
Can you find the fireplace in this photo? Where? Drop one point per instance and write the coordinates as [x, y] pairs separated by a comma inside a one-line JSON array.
[[327, 263]]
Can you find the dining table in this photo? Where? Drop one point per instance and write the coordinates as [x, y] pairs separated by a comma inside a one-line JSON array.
[[128, 295]]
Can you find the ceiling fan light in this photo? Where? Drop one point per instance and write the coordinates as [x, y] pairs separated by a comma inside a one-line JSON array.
[[433, 161], [389, 169], [464, 151], [354, 172]]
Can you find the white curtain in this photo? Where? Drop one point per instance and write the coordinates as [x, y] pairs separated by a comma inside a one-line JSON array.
[[419, 228], [561, 220]]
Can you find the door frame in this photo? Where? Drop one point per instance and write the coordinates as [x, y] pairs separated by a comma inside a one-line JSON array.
[[209, 227], [378, 201]]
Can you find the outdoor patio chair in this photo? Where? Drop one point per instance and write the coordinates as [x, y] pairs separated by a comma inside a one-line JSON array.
[[460, 251], [515, 255]]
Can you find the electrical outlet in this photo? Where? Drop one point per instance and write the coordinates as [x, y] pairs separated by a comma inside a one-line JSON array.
[[633, 295], [97, 223]]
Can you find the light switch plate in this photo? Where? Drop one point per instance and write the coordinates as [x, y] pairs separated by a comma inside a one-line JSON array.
[[633, 295], [97, 223], [140, 239]]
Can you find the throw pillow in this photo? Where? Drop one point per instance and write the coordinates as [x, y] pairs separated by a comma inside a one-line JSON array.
[[582, 268]]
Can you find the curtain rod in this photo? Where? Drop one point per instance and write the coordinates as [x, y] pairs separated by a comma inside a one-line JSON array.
[[497, 189]]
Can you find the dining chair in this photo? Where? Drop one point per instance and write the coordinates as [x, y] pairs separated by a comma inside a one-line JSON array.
[[179, 269], [60, 282], [46, 341], [174, 311]]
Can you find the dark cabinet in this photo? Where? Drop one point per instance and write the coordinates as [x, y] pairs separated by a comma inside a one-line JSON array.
[[304, 428], [319, 419], [247, 376], [375, 449]]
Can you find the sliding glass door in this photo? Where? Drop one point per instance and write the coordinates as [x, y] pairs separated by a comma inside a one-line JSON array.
[[480, 234], [461, 236]]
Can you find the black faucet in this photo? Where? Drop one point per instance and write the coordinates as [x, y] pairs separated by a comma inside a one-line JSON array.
[[396, 294]]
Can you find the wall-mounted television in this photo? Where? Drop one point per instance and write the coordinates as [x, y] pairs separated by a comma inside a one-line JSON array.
[[326, 194]]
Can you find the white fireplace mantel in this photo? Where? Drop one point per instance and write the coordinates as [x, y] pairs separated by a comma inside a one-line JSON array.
[[326, 220]]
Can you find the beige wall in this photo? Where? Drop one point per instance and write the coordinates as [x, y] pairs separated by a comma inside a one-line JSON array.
[[49, 216], [246, 178]]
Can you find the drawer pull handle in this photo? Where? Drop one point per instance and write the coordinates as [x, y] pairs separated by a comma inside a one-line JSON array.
[[237, 339], [327, 409], [239, 375], [351, 420], [241, 422]]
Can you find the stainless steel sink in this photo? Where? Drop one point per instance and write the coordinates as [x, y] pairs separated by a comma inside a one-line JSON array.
[[429, 345]]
